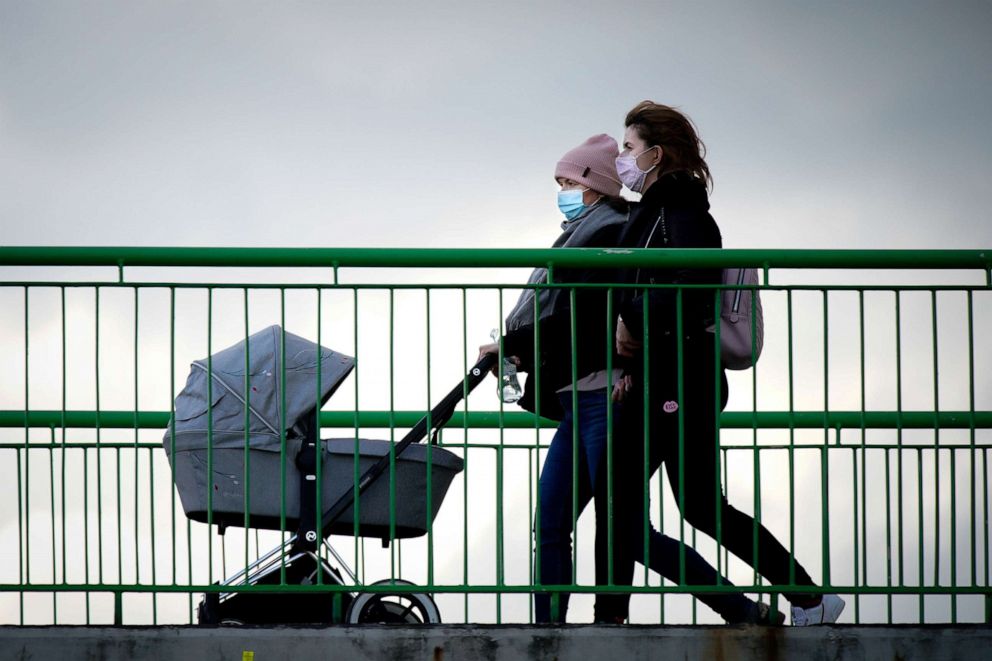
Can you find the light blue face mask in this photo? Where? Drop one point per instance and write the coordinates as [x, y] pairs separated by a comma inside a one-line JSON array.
[[570, 203]]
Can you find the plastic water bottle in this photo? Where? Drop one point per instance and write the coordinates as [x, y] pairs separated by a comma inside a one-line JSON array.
[[509, 388], [510, 391]]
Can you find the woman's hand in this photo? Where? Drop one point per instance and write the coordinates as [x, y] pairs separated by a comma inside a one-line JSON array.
[[622, 388], [493, 348], [627, 346]]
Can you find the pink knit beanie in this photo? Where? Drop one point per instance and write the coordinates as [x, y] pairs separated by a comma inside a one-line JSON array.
[[593, 163]]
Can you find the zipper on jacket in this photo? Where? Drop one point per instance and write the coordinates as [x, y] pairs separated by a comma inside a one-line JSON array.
[[647, 244]]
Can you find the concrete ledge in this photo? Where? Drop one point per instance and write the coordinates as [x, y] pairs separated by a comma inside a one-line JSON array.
[[497, 643]]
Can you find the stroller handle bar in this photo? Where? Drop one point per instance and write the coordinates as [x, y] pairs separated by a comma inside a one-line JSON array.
[[436, 419]]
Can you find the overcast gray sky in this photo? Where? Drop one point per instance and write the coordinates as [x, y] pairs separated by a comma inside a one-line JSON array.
[[381, 124]]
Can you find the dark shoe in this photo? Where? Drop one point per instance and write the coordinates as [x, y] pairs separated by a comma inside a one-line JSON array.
[[762, 615]]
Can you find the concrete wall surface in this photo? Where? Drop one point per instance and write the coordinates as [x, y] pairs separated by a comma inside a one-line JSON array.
[[496, 643]]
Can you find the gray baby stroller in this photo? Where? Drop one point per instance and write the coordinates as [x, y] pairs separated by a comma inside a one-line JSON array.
[[225, 447]]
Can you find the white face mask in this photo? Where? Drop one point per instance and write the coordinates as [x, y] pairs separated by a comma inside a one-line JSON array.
[[630, 175]]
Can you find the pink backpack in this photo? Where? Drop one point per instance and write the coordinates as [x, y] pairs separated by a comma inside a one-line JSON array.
[[736, 337]]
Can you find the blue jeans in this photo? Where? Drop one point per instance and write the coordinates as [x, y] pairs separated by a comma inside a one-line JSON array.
[[555, 494]]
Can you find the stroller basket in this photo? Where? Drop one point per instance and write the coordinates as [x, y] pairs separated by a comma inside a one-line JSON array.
[[338, 467]]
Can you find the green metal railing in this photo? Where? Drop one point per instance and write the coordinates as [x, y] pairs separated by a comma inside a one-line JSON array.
[[862, 437]]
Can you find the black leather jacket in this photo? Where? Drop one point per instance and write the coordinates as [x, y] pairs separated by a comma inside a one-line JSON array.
[[673, 213]]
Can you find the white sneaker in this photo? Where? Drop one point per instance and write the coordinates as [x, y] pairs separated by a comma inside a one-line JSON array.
[[826, 612]]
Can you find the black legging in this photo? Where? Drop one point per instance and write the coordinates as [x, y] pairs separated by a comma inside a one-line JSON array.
[[703, 490]]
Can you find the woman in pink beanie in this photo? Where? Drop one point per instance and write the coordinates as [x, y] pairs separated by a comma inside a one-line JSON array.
[[589, 200], [578, 395]]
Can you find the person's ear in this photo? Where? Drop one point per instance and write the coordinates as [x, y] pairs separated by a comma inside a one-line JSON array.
[[659, 155]]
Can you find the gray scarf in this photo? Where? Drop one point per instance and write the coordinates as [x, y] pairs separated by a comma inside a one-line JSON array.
[[577, 233]]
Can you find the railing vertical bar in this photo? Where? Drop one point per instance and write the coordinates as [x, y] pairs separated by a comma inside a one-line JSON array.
[[864, 466], [973, 454], [555, 596], [888, 532], [646, 454], [172, 427], [609, 438], [824, 458], [189, 564], [137, 484], [466, 481], [62, 424], [151, 505], [724, 479], [985, 506], [717, 410], [99, 462], [392, 435], [854, 522], [500, 577], [86, 528], [792, 437], [531, 551], [899, 446], [430, 446], [936, 450], [538, 579], [282, 430], [680, 393], [23, 515], [694, 602], [246, 459], [51, 485], [756, 456], [574, 348], [661, 527], [120, 516], [954, 546], [356, 472], [210, 439], [919, 519], [319, 446]]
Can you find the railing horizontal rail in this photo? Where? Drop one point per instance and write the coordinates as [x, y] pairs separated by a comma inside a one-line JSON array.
[[492, 257], [515, 420]]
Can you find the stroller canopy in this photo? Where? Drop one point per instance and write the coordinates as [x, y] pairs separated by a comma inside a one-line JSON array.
[[229, 395]]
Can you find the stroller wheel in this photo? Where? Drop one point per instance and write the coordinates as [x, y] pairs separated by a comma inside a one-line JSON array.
[[385, 608]]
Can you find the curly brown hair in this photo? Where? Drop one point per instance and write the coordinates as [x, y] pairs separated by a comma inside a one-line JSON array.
[[665, 127]]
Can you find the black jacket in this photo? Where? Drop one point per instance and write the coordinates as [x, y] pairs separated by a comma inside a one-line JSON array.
[[673, 213], [593, 329]]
